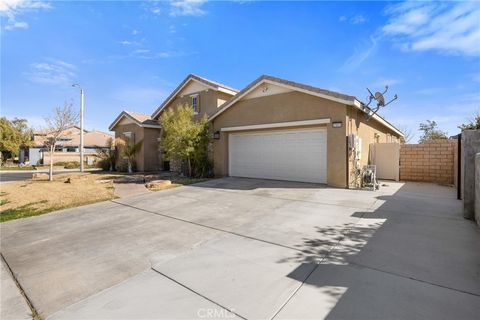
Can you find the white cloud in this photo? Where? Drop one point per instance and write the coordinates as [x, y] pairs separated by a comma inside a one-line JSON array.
[[11, 9], [356, 19], [53, 72], [187, 7], [148, 54], [452, 28], [16, 25], [360, 54]]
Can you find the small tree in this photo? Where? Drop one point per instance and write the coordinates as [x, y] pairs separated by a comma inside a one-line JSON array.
[[13, 135], [472, 124], [185, 139], [431, 132], [129, 150], [61, 119]]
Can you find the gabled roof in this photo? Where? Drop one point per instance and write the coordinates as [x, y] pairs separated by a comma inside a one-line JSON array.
[[322, 93], [141, 119], [90, 139], [192, 77]]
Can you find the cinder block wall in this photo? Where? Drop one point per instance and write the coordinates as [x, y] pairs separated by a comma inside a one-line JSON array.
[[432, 161]]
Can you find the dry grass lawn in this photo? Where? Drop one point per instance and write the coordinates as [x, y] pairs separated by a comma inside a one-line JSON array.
[[33, 197]]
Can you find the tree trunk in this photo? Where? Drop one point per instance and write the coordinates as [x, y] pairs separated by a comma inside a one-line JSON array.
[[189, 167], [50, 171]]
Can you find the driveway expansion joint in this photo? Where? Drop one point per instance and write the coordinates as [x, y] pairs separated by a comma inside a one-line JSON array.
[[207, 226], [199, 294], [19, 286]]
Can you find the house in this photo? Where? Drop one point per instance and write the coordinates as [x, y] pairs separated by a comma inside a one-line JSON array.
[[204, 95], [272, 129], [67, 147]]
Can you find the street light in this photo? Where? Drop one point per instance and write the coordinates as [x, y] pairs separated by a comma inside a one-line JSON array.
[[81, 125]]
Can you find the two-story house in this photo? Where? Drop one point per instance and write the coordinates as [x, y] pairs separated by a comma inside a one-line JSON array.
[[205, 97]]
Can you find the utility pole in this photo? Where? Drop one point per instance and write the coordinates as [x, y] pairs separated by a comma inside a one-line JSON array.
[[81, 125]]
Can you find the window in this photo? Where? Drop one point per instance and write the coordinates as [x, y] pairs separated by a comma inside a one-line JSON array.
[[195, 104]]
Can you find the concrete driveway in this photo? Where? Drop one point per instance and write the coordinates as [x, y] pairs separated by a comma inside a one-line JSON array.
[[253, 249]]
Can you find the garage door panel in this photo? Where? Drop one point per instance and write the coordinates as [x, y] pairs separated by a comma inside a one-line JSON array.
[[297, 155]]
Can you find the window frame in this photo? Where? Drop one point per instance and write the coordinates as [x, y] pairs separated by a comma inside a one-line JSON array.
[[196, 107]]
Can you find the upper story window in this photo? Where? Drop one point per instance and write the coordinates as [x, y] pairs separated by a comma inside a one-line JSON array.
[[195, 103]]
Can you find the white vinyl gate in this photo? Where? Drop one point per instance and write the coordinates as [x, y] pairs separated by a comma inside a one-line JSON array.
[[386, 157], [294, 155]]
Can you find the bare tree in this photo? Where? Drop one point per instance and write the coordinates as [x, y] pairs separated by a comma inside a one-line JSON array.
[[61, 119], [407, 134]]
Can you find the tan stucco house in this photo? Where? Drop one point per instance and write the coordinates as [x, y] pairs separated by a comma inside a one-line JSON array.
[[272, 129], [67, 147]]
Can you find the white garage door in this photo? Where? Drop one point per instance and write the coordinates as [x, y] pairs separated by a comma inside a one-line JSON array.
[[295, 155]]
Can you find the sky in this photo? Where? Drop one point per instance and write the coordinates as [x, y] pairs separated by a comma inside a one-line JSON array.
[[129, 55]]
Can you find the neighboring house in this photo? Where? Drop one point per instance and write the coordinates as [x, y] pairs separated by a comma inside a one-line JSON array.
[[67, 148], [203, 95], [274, 129]]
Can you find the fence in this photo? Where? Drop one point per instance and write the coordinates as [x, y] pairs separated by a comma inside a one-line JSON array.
[[432, 161], [69, 157]]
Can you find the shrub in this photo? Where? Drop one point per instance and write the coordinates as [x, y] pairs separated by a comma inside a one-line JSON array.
[[68, 165], [103, 164], [122, 166]]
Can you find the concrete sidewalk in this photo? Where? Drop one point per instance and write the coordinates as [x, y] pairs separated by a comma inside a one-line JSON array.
[[13, 305]]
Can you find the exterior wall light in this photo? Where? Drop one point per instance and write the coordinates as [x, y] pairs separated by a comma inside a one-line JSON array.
[[337, 124], [216, 135]]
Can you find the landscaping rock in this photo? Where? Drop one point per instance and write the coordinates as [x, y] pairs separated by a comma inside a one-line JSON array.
[[158, 184], [130, 179], [40, 176]]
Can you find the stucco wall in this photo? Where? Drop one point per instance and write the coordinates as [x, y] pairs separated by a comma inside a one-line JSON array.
[[470, 147], [366, 130], [150, 149], [139, 135], [210, 100], [88, 157], [292, 106], [477, 188], [357, 124]]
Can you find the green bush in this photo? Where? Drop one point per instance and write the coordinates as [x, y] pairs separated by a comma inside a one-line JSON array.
[[72, 165], [103, 164]]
